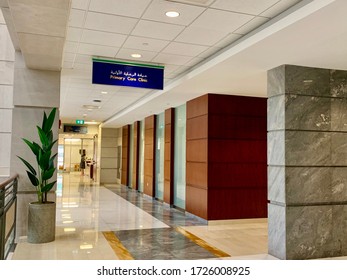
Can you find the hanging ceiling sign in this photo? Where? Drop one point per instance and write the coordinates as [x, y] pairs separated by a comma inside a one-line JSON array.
[[108, 72]]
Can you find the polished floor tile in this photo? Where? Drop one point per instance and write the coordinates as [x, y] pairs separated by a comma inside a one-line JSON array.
[[161, 244], [117, 223]]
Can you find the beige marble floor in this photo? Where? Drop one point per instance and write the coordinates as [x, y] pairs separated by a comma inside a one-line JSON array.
[[237, 237], [87, 213]]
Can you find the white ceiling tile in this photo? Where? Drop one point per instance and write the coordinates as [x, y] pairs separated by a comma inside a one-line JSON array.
[[194, 61], [147, 44], [157, 30], [171, 59], [184, 49], [200, 36], [279, 7], [76, 18], [81, 58], [103, 38], [97, 50], [245, 6], [133, 8], [253, 24], [2, 20], [221, 20], [188, 13], [80, 4], [209, 52], [68, 56], [171, 68], [73, 34], [67, 64], [70, 47], [83, 66], [230, 38], [110, 23], [126, 54]]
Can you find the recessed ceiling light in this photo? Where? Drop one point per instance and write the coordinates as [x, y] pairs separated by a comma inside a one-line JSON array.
[[91, 107], [136, 55], [172, 14], [104, 92]]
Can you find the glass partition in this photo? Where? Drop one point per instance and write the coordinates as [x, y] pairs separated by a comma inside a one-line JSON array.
[[159, 154], [141, 176], [180, 157]]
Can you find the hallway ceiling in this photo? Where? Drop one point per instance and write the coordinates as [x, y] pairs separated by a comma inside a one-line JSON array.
[[219, 46]]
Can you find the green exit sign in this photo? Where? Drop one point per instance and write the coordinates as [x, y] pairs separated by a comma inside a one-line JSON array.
[[79, 121]]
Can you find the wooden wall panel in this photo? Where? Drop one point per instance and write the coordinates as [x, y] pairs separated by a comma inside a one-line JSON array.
[[196, 157], [227, 157], [196, 201], [136, 147], [125, 154], [169, 155], [149, 168]]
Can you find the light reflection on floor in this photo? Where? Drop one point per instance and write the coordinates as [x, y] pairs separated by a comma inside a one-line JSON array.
[[87, 213]]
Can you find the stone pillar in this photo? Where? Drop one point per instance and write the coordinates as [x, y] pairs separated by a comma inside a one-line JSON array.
[[6, 97], [307, 162], [34, 92], [110, 155]]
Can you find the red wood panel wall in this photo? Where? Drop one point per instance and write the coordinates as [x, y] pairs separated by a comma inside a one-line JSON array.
[[125, 155], [149, 168], [227, 157], [169, 155], [136, 145]]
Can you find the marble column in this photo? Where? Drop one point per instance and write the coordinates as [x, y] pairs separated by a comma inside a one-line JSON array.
[[6, 97], [307, 162], [34, 91]]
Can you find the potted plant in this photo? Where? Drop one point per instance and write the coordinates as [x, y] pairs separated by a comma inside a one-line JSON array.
[[41, 219]]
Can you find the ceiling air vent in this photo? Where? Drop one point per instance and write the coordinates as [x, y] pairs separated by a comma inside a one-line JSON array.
[[193, 2]]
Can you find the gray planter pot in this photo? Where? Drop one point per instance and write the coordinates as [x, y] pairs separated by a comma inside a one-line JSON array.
[[41, 222]]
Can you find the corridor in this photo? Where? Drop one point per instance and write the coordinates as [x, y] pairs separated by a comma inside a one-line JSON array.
[[112, 222]]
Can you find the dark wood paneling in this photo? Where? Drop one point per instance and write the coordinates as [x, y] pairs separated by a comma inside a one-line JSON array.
[[149, 156], [233, 105], [169, 155], [241, 203], [125, 155], [227, 157], [237, 151], [196, 201], [136, 146]]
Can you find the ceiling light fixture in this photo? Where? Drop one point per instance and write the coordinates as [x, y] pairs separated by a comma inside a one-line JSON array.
[[172, 14], [104, 92], [136, 55], [91, 107]]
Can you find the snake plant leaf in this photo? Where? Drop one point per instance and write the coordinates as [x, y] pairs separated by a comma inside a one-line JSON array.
[[51, 161], [48, 123], [44, 120], [32, 169], [48, 174], [52, 144], [43, 138], [33, 146], [44, 160], [33, 179], [48, 187]]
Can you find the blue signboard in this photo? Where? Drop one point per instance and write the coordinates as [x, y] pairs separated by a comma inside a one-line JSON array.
[[108, 72]]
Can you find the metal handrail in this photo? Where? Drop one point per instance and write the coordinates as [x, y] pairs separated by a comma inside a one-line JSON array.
[[8, 206]]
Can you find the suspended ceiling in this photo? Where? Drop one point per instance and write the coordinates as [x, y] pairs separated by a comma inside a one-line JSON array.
[[219, 46]]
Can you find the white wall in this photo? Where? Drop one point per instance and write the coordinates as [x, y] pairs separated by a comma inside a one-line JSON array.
[[6, 97]]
